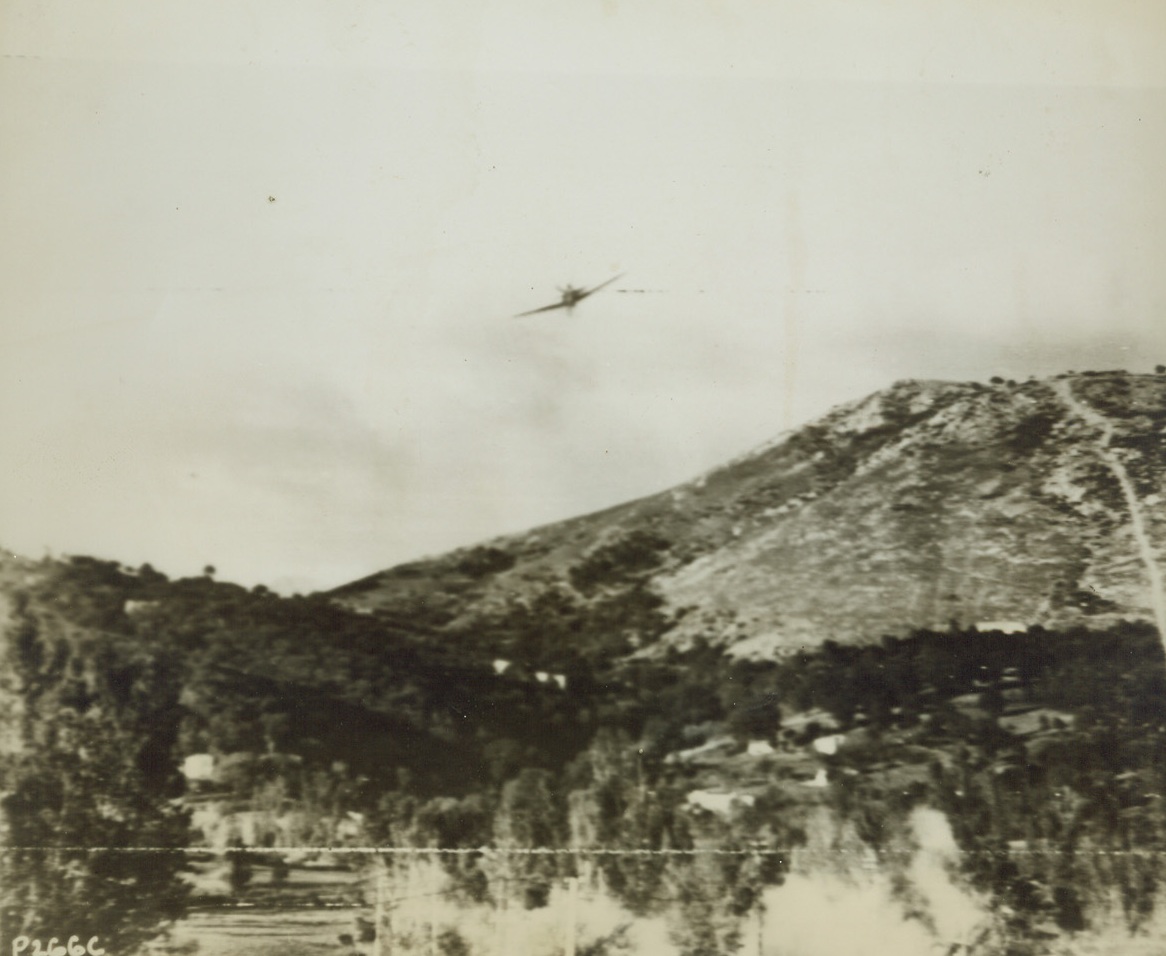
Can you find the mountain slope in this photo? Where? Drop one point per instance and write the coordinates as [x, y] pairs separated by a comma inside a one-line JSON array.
[[1032, 503]]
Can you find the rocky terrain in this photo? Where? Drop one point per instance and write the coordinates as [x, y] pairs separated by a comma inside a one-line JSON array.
[[1003, 505]]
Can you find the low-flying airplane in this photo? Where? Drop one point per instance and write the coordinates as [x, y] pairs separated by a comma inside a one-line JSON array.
[[571, 297]]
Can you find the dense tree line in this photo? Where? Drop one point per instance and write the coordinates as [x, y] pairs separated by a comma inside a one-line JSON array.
[[92, 838], [299, 675], [607, 813]]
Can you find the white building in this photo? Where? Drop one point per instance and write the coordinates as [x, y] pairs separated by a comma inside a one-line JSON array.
[[1004, 627], [828, 745], [819, 780], [716, 746], [721, 804], [199, 768]]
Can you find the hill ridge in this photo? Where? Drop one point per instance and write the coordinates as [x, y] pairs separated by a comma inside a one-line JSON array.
[[924, 503]]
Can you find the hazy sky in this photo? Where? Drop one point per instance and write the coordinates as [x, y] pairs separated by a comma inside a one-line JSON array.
[[259, 260]]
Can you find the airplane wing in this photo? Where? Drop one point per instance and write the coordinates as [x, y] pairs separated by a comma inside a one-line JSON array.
[[545, 308], [601, 285]]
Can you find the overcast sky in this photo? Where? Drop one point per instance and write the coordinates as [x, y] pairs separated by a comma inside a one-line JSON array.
[[259, 260]]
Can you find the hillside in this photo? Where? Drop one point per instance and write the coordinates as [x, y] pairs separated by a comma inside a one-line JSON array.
[[252, 673], [999, 504]]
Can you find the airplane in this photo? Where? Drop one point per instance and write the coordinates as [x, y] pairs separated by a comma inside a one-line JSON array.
[[571, 297]]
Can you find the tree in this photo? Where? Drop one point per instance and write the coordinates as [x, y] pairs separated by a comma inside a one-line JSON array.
[[629, 816], [530, 818], [239, 870], [89, 825]]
